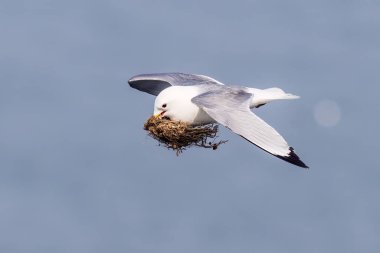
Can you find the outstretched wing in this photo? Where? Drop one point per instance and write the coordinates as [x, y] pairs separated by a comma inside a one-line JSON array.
[[155, 83], [230, 107]]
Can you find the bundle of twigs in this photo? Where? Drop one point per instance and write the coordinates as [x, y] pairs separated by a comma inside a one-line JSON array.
[[178, 136]]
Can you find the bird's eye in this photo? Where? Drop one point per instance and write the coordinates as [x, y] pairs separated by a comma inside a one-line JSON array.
[[164, 105]]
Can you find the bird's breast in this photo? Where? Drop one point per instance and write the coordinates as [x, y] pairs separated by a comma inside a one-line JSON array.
[[182, 109], [202, 118]]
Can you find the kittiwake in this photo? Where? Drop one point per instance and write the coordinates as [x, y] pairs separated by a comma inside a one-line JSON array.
[[199, 100]]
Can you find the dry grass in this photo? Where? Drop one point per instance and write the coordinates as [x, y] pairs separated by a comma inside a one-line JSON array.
[[178, 136]]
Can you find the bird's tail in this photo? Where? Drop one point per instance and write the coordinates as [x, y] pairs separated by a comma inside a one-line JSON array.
[[261, 97]]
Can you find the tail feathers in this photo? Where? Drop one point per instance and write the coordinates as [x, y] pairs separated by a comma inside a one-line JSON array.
[[261, 97], [277, 93]]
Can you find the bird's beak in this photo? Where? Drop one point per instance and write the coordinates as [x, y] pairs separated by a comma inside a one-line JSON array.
[[159, 115]]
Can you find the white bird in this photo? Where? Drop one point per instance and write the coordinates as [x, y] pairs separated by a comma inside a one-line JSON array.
[[198, 100]]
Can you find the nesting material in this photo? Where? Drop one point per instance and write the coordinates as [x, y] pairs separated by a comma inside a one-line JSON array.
[[178, 136]]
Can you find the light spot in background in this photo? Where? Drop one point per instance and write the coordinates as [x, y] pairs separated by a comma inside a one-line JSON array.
[[327, 113]]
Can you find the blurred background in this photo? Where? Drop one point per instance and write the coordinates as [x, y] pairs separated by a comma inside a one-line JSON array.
[[79, 174]]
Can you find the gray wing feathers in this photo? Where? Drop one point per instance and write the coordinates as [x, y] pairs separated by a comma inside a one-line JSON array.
[[155, 83], [231, 109]]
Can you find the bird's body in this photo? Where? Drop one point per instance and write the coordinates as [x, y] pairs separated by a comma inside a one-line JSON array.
[[198, 100]]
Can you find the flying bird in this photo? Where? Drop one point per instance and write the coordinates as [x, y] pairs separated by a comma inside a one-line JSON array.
[[199, 100]]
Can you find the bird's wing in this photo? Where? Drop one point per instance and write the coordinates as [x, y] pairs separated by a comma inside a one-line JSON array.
[[155, 83], [230, 107]]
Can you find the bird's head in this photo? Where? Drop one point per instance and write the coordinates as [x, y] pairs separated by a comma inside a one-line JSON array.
[[167, 104], [175, 104]]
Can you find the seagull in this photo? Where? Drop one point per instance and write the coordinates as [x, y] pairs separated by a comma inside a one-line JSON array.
[[200, 100]]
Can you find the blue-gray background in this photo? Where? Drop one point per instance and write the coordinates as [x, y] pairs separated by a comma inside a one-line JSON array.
[[78, 173]]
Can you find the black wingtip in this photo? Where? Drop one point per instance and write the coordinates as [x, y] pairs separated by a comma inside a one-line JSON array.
[[293, 159]]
